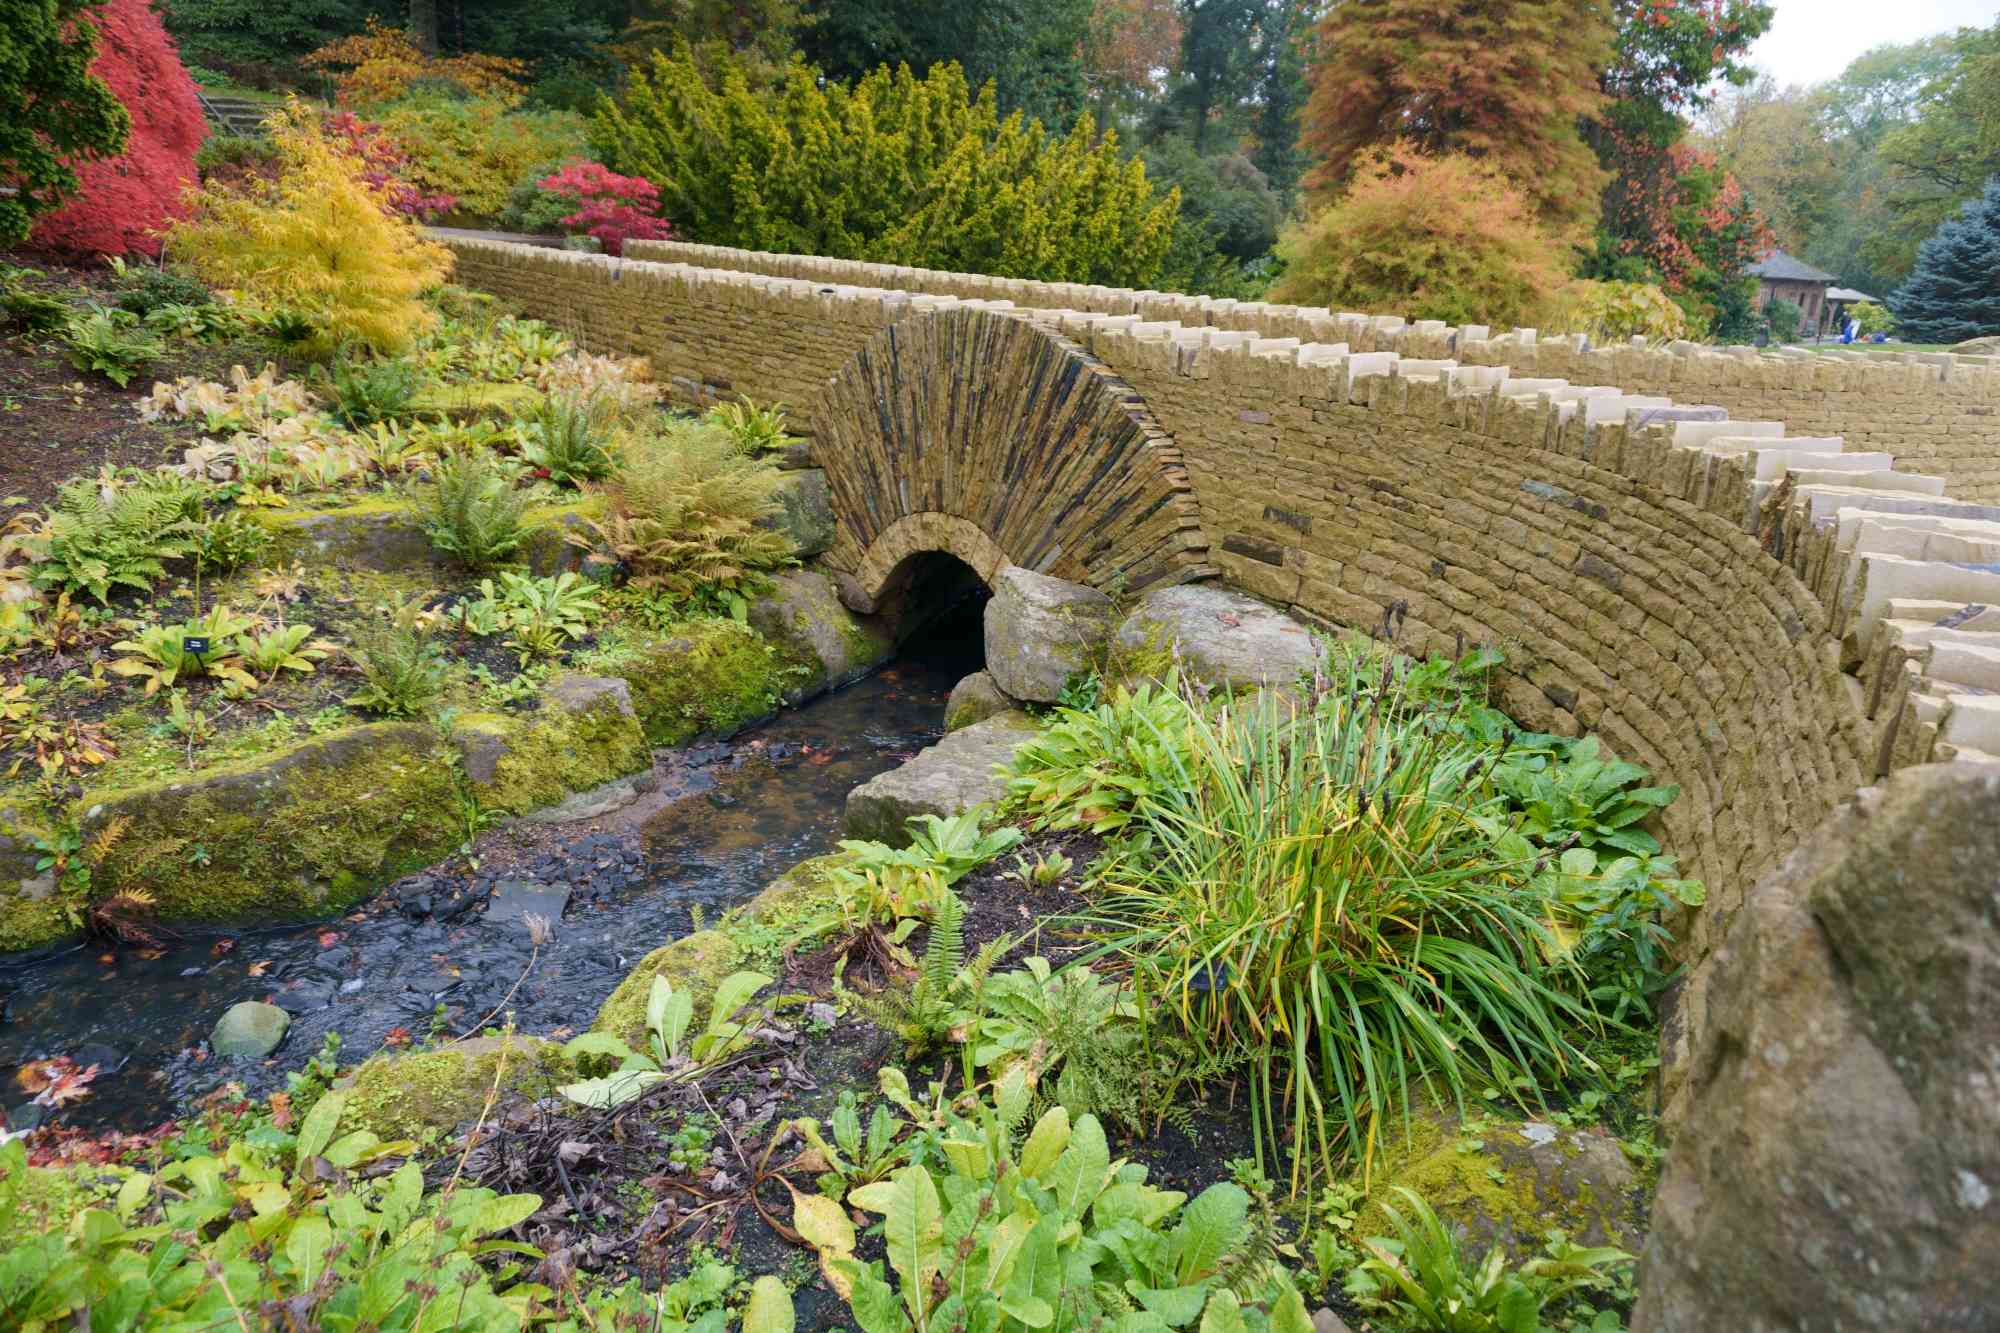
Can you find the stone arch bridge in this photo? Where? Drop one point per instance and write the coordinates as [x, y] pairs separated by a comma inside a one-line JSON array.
[[1675, 549]]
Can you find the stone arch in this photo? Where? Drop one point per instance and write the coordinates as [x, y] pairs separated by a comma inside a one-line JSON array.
[[977, 433]]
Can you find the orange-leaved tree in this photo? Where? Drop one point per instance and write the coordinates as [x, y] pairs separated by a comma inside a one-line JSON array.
[[1505, 81], [379, 65], [1428, 238], [321, 241]]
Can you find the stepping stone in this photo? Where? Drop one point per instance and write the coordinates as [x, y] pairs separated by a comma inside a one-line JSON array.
[[963, 770]]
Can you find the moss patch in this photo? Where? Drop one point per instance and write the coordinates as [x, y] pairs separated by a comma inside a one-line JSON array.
[[1497, 1187], [697, 962], [402, 1096], [476, 402], [708, 676], [386, 533], [515, 763], [310, 829]]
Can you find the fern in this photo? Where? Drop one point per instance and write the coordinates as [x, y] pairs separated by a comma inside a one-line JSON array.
[[473, 511], [100, 537], [685, 511], [945, 999]]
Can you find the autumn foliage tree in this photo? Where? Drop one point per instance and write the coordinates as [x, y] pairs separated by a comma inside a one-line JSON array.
[[1504, 81], [379, 65], [1446, 238], [59, 111], [121, 203], [322, 241]]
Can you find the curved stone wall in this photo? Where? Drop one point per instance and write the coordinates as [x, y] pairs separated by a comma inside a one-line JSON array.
[[1939, 414], [1768, 620]]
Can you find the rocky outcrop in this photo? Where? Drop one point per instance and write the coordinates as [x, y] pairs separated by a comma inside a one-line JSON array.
[[1041, 631], [975, 699], [959, 772], [1219, 638], [1836, 1162]]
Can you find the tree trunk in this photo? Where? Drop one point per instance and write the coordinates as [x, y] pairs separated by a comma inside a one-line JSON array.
[[424, 25]]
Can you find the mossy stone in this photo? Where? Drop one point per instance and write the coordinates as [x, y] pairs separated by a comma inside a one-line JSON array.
[[1520, 1180], [387, 534], [401, 1096], [827, 644], [310, 829], [697, 962], [33, 911], [585, 734], [709, 676], [475, 402]]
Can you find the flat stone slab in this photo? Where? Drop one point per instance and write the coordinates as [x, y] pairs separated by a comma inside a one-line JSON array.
[[959, 772], [514, 899], [1225, 639], [250, 1030]]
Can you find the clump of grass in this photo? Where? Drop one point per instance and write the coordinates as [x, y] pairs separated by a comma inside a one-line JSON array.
[[1320, 896]]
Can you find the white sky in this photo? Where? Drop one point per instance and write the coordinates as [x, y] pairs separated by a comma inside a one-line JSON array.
[[1813, 40]]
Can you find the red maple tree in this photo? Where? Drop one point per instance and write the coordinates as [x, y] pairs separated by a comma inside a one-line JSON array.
[[123, 202]]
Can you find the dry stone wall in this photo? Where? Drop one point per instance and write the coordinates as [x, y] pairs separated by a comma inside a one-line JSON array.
[[1937, 413], [1768, 619]]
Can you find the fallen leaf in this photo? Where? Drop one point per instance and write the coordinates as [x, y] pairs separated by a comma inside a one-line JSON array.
[[396, 1037], [260, 967], [329, 938], [221, 947]]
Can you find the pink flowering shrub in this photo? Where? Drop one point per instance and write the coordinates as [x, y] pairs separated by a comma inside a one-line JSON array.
[[383, 163], [613, 208]]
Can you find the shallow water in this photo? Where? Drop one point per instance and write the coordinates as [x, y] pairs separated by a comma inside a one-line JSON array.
[[732, 817]]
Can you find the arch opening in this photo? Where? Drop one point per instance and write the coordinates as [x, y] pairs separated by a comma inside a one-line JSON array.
[[936, 603]]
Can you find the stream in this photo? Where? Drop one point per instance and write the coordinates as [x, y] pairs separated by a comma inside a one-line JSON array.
[[729, 817]]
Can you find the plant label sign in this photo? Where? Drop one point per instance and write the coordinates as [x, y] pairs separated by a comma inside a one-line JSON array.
[[195, 644]]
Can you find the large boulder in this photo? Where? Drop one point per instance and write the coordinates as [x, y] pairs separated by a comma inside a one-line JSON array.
[[961, 771], [1219, 637], [803, 614], [1836, 1161], [250, 1030], [1041, 631]]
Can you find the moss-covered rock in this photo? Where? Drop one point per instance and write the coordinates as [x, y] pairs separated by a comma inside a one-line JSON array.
[[708, 676], [475, 402], [1507, 1183], [699, 961], [973, 700], [385, 533], [401, 1096], [828, 644], [33, 911], [585, 734], [309, 829]]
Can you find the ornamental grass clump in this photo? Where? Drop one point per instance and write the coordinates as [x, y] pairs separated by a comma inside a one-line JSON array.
[[1321, 896]]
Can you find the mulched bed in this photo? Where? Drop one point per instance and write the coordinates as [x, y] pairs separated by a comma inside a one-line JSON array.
[[617, 1204], [59, 422]]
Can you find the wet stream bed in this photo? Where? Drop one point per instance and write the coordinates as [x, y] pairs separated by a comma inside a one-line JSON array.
[[445, 947]]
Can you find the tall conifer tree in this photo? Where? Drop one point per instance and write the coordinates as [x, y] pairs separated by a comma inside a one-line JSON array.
[[1954, 291]]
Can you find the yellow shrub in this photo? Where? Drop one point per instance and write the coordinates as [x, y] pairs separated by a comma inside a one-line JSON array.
[[1614, 311], [320, 240]]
